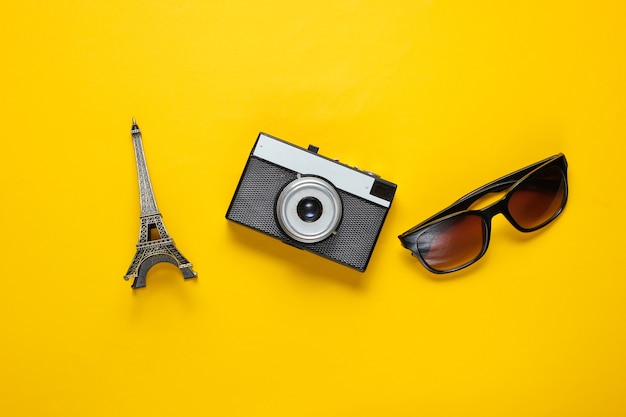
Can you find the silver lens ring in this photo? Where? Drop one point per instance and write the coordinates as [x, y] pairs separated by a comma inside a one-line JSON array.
[[301, 229]]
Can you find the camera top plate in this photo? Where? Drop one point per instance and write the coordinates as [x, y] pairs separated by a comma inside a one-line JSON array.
[[307, 162]]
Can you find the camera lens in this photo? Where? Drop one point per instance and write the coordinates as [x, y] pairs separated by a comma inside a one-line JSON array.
[[309, 209]]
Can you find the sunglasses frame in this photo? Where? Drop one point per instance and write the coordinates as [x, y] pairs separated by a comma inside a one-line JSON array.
[[461, 207]]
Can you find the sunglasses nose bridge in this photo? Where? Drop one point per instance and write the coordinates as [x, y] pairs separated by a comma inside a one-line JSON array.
[[496, 208]]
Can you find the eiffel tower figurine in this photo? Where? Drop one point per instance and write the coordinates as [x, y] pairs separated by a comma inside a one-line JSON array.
[[155, 245]]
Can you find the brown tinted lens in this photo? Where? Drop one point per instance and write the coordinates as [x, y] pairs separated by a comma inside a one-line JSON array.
[[538, 199], [453, 243]]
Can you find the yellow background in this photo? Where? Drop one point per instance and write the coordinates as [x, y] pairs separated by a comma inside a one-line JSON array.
[[437, 96]]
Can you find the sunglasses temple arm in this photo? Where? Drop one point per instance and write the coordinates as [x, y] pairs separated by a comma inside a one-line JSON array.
[[468, 199], [461, 204], [498, 185]]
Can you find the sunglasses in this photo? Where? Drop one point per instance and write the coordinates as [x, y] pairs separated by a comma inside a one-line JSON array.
[[458, 236]]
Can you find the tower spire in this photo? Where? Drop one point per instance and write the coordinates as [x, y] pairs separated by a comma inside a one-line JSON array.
[[146, 195]]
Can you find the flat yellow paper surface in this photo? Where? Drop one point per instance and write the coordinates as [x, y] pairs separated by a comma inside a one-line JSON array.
[[437, 96]]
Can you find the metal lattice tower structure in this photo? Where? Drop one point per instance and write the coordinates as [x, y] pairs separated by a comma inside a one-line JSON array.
[[155, 245]]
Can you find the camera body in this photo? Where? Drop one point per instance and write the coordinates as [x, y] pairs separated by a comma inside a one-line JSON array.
[[311, 202]]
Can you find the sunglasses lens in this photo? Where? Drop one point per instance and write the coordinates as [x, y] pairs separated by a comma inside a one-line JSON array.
[[539, 199], [453, 243]]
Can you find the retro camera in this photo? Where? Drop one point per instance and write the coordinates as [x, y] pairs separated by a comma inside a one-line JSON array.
[[311, 202]]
